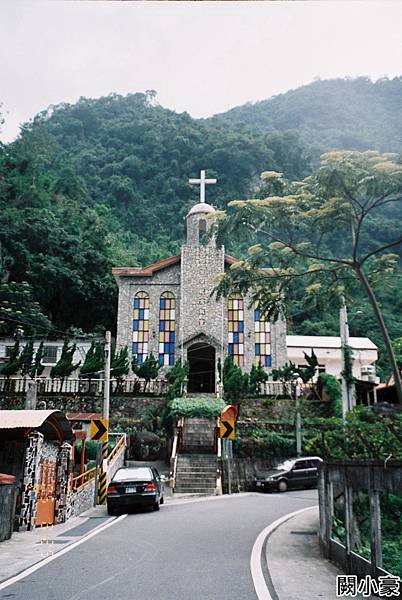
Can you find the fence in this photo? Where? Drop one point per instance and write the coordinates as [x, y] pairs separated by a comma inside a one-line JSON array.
[[19, 386], [345, 488]]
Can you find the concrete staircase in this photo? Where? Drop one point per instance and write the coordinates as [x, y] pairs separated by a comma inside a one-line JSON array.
[[198, 436], [196, 470], [196, 474]]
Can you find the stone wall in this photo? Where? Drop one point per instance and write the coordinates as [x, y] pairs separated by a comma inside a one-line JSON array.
[[7, 503], [166, 280], [244, 470], [82, 499]]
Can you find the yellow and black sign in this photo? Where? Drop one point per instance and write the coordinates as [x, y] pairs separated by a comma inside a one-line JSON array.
[[99, 430], [227, 429]]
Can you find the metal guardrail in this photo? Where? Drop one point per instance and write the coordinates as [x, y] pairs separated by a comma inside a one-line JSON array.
[[80, 481], [119, 447]]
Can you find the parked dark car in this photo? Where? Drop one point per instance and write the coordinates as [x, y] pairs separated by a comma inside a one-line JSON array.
[[134, 487], [292, 473]]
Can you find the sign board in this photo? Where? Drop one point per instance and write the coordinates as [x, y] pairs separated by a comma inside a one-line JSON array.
[[227, 422], [99, 430], [227, 430]]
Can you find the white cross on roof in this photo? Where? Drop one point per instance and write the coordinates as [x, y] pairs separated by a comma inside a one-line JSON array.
[[203, 182]]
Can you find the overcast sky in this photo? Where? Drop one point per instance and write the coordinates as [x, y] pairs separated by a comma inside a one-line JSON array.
[[201, 57]]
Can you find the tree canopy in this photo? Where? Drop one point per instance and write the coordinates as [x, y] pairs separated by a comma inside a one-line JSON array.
[[329, 234], [103, 183]]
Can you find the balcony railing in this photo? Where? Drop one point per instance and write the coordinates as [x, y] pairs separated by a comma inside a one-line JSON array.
[[82, 386]]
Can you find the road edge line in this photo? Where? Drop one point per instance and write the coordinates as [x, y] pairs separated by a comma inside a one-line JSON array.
[[257, 575], [49, 559]]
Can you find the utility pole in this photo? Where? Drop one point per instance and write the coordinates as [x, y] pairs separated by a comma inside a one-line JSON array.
[[106, 381], [296, 389], [347, 390], [102, 453]]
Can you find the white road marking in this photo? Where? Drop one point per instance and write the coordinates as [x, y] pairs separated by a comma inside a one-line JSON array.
[[49, 559], [260, 585]]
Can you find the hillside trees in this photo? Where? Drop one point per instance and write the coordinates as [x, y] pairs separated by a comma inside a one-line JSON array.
[[322, 233]]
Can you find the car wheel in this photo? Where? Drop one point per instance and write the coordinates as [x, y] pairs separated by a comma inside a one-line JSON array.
[[282, 486], [156, 506], [162, 501], [111, 511]]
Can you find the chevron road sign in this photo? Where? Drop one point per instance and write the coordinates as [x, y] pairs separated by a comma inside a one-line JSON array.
[[99, 430], [227, 429]]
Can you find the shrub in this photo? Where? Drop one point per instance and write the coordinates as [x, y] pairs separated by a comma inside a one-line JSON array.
[[334, 391], [195, 407]]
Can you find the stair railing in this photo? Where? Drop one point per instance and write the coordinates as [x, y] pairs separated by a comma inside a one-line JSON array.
[[177, 446], [219, 490]]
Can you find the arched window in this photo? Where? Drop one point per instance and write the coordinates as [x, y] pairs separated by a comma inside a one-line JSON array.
[[167, 319], [236, 329], [262, 338], [141, 326]]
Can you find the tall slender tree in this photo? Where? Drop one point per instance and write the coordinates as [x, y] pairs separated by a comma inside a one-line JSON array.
[[329, 232]]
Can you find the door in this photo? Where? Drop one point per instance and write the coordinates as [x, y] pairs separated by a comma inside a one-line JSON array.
[[201, 362], [46, 493]]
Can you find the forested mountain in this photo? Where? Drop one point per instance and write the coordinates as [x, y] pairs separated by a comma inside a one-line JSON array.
[[354, 114], [104, 182]]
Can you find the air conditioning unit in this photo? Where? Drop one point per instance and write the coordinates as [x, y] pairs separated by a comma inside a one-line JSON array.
[[368, 373]]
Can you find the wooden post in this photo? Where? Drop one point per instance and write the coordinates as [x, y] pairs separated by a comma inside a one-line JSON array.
[[375, 526]]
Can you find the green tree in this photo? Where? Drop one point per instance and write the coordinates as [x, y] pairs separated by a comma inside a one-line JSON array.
[[119, 366], [147, 370], [320, 232], [398, 351], [37, 367], [26, 358], [12, 366], [65, 365], [257, 376], [235, 383], [176, 377], [93, 363]]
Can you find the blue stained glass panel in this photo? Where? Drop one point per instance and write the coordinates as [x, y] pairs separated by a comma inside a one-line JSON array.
[[268, 361], [171, 359], [162, 303], [135, 325]]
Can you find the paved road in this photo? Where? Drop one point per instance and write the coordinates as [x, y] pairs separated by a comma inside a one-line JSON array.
[[190, 550]]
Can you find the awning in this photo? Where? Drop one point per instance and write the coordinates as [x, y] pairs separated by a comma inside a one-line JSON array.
[[53, 424]]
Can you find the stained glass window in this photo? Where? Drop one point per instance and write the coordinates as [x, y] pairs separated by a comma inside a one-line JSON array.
[[167, 318], [141, 326], [262, 338], [236, 329]]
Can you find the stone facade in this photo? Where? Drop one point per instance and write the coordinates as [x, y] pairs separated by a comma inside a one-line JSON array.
[[201, 322]]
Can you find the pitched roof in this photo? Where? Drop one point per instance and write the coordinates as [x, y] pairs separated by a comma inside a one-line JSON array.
[[328, 341], [158, 266]]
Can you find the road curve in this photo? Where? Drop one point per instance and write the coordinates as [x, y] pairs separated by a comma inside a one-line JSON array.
[[198, 550]]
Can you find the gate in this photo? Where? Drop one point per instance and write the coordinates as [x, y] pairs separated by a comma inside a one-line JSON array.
[[45, 509]]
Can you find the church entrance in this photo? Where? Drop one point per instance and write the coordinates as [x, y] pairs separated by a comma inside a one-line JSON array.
[[201, 362]]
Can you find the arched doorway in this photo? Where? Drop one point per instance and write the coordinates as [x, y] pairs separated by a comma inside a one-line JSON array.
[[201, 362]]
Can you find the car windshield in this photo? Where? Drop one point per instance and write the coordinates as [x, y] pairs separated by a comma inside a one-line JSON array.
[[285, 465], [140, 474]]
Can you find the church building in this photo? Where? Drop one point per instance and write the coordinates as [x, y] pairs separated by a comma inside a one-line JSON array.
[[167, 309]]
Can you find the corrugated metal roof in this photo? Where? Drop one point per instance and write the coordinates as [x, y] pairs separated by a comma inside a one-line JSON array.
[[328, 341], [13, 419], [48, 421]]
